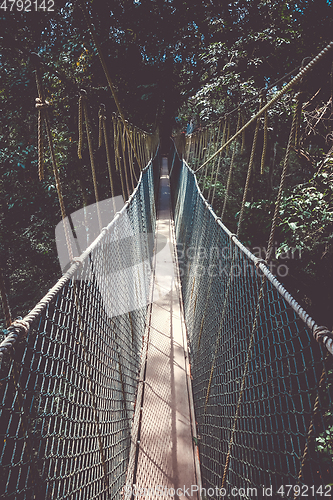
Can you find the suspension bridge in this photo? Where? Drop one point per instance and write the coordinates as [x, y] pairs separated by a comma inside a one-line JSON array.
[[167, 361]]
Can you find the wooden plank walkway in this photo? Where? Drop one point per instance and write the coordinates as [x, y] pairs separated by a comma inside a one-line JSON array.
[[166, 457]]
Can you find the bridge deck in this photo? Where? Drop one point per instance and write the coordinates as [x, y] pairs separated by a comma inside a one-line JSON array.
[[166, 457]]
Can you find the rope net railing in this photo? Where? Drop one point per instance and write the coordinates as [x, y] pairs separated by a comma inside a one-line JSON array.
[[262, 386], [69, 370]]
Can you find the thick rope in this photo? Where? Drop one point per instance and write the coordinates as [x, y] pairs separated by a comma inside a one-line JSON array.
[[106, 72], [298, 111], [80, 126], [91, 156], [115, 140], [101, 116], [42, 104], [107, 151], [243, 133], [208, 143], [249, 171], [123, 146], [215, 163], [285, 89], [134, 179], [5, 301], [117, 153], [40, 141], [230, 171], [219, 160], [199, 152], [281, 187], [264, 148]]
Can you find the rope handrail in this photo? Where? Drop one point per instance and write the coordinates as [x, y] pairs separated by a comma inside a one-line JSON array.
[[77, 262], [258, 377], [68, 369], [321, 333], [248, 101]]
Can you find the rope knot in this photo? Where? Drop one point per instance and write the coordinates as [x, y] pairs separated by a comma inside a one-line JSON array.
[[22, 326], [261, 261], [40, 104], [322, 334], [77, 260]]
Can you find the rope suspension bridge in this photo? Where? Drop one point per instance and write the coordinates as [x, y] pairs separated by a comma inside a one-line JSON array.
[[168, 357]]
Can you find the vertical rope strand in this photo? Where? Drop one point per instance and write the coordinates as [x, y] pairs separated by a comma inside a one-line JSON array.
[[40, 145], [215, 162], [243, 133], [264, 148], [42, 104], [80, 126], [91, 156], [219, 159], [230, 169], [281, 187], [249, 171], [123, 145], [108, 156]]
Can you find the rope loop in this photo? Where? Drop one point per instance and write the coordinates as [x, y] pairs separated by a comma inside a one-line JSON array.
[[18, 329], [101, 120], [232, 236], [83, 94], [305, 61], [261, 261]]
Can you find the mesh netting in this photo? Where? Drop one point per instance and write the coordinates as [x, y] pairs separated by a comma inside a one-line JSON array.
[[68, 389], [262, 386]]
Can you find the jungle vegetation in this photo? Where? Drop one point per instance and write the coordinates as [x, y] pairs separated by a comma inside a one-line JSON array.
[[173, 62]]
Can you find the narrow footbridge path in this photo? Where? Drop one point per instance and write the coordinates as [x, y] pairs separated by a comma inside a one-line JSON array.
[[106, 394]]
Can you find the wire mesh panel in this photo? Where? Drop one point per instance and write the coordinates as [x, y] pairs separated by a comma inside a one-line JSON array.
[[68, 387], [262, 386]]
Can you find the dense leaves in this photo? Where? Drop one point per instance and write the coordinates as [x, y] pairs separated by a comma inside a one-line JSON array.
[[201, 57]]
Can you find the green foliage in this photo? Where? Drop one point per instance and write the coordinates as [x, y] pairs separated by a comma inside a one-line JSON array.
[[202, 56], [306, 214], [324, 445]]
